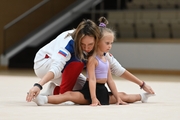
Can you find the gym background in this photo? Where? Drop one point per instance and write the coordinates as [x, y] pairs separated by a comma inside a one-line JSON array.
[[148, 38]]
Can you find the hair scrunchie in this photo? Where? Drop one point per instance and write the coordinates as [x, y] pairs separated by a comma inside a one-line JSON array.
[[102, 25]]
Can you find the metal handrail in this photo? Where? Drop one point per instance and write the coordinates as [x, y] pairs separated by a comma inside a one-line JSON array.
[[25, 14], [50, 28]]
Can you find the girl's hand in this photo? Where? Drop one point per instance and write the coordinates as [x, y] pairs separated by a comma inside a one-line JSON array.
[[120, 102], [95, 102]]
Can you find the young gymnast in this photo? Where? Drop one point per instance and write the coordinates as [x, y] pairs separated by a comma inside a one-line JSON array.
[[94, 92]]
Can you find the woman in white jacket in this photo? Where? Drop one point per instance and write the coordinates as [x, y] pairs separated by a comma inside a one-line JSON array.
[[63, 59]]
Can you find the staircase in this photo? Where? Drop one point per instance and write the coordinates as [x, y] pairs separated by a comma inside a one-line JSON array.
[[37, 24]]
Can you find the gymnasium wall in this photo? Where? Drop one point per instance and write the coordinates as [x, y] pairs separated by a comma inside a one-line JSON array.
[[148, 57]]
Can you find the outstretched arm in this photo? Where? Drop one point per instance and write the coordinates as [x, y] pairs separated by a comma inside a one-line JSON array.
[[128, 76], [57, 51], [34, 91], [120, 71]]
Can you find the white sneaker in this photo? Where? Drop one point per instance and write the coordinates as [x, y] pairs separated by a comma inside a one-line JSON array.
[[40, 100], [145, 96], [49, 89]]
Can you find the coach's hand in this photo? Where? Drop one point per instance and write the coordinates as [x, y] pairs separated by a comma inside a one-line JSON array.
[[148, 89], [33, 92]]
